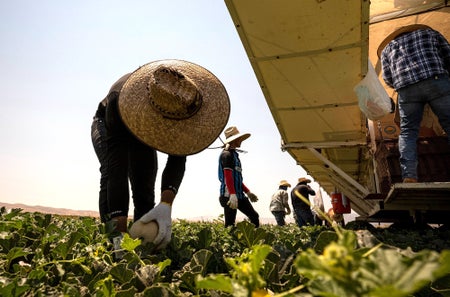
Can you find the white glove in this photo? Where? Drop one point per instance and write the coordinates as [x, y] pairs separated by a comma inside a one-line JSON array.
[[162, 214], [233, 201], [252, 197]]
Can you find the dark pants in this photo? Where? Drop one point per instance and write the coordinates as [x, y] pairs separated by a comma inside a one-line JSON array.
[[128, 158], [317, 220], [304, 216], [98, 135], [244, 206], [279, 217]]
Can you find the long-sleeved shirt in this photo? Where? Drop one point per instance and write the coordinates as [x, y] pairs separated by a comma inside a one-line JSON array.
[[415, 56], [279, 201], [229, 160], [305, 191]]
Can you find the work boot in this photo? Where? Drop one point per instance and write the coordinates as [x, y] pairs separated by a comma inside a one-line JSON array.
[[410, 180]]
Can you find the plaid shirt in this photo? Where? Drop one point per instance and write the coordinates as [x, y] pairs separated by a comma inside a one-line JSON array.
[[415, 56]]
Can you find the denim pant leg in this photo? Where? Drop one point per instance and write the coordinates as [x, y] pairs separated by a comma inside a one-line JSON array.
[[298, 217], [308, 216], [98, 136], [411, 111], [304, 217], [279, 217], [412, 99], [440, 101]]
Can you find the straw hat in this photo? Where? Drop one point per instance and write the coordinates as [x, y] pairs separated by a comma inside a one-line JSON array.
[[232, 133], [397, 32], [174, 106], [284, 183], [304, 180]]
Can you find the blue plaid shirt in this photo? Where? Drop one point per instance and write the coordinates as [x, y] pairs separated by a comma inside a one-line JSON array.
[[415, 56]]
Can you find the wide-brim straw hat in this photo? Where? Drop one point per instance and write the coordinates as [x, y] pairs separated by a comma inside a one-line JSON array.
[[176, 107], [284, 183], [397, 32], [304, 180], [232, 133]]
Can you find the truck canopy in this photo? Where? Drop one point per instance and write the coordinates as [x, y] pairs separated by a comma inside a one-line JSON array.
[[308, 56]]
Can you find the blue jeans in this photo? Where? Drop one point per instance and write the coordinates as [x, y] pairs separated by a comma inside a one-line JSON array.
[[303, 216], [279, 217], [411, 100]]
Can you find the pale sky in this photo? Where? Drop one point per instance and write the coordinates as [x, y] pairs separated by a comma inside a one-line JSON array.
[[58, 59]]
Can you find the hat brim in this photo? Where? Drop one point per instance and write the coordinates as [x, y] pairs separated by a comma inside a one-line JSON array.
[[397, 32], [242, 136], [176, 137]]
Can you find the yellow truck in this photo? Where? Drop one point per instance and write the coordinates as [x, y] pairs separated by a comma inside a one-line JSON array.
[[308, 56]]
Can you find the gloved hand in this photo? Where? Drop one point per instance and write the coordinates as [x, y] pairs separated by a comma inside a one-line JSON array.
[[288, 211], [162, 214], [233, 201], [252, 197]]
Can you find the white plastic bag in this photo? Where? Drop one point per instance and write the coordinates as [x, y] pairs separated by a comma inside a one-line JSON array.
[[373, 99]]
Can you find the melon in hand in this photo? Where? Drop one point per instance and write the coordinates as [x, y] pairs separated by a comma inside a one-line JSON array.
[[146, 232]]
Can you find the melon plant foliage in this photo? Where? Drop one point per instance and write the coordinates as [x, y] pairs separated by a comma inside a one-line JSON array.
[[51, 255]]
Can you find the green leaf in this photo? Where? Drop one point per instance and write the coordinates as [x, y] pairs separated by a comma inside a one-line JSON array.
[[37, 274], [121, 273], [257, 256], [215, 282], [130, 292], [162, 265], [324, 239], [13, 254], [444, 261], [249, 236], [160, 290], [205, 238], [14, 289], [130, 244], [105, 287], [201, 258]]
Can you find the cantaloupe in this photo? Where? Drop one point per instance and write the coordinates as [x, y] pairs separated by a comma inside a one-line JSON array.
[[146, 232]]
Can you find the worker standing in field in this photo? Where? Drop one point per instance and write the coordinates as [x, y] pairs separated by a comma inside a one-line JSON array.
[[302, 210], [416, 63], [169, 106], [279, 205], [234, 194]]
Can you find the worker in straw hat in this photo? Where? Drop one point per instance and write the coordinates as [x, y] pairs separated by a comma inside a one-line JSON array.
[[416, 63], [279, 205], [234, 194], [302, 210], [171, 106]]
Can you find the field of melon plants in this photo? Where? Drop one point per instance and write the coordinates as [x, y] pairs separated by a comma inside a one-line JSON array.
[[51, 255]]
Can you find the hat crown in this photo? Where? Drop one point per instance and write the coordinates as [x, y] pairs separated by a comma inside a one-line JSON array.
[[285, 183], [181, 116], [304, 180], [231, 131], [173, 95]]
